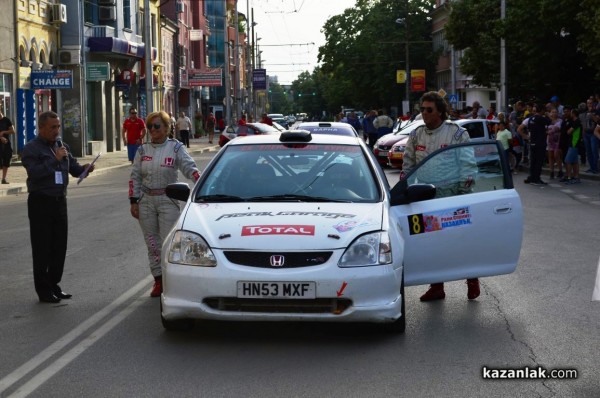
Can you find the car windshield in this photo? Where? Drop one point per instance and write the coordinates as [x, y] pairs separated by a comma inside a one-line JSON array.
[[290, 172]]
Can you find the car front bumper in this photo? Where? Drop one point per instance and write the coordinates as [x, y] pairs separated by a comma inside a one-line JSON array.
[[360, 294]]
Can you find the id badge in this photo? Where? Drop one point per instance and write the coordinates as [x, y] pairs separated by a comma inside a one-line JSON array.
[[58, 180]]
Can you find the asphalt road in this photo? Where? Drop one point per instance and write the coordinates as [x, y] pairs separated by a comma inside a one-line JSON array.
[[108, 340]]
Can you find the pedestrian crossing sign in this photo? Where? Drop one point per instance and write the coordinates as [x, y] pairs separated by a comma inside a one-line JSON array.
[[453, 98]]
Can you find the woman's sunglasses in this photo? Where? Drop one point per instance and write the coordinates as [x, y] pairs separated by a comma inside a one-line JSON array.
[[155, 126], [428, 109]]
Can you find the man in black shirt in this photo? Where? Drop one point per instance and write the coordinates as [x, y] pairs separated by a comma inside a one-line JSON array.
[[536, 125], [48, 163], [6, 129]]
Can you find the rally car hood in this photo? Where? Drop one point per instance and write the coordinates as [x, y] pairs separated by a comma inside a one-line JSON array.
[[285, 226]]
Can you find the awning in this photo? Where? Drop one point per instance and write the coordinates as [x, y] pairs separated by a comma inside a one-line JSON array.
[[119, 46]]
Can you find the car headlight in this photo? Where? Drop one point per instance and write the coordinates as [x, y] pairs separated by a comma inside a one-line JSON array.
[[188, 248], [399, 148], [370, 249]]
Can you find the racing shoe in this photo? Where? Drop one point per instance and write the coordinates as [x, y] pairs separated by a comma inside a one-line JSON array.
[[472, 288], [157, 288], [435, 292]]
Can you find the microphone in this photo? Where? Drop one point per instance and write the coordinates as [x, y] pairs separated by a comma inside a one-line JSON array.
[[60, 144]]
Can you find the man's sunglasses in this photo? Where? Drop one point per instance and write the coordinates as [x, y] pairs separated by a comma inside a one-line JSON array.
[[133, 113], [155, 126], [427, 108]]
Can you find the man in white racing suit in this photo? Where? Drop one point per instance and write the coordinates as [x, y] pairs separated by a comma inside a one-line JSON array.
[[452, 177], [155, 166]]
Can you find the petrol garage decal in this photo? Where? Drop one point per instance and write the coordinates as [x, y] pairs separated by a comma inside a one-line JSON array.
[[287, 213], [439, 220], [253, 230]]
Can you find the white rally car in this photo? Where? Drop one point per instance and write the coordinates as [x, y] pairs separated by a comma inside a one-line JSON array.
[[305, 227]]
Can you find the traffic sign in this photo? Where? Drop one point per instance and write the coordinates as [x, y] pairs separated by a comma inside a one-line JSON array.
[[453, 98]]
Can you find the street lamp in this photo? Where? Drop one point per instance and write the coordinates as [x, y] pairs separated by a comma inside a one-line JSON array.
[[404, 21]]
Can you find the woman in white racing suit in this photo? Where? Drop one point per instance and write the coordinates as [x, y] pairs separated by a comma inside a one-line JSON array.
[[154, 167]]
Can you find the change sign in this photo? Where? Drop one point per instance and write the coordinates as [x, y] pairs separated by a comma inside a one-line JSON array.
[[51, 79]]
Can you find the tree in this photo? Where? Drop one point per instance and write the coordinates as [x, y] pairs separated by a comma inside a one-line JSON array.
[[278, 100], [365, 47], [544, 42]]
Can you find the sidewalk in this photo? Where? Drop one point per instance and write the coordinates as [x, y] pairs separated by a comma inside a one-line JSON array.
[[17, 175]]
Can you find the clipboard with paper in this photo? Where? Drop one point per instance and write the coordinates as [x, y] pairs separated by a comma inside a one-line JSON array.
[[87, 169]]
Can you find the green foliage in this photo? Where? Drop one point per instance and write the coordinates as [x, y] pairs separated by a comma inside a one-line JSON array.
[[278, 99], [551, 46], [364, 49]]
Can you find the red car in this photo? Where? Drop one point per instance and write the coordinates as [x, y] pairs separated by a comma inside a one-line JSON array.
[[395, 155], [384, 144]]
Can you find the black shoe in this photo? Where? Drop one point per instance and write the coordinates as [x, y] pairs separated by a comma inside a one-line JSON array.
[[527, 181], [542, 182], [63, 295], [49, 298]]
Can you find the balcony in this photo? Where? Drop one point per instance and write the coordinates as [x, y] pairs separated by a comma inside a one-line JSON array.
[[102, 31]]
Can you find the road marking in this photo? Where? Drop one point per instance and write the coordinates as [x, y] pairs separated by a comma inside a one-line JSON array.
[[61, 343], [596, 293]]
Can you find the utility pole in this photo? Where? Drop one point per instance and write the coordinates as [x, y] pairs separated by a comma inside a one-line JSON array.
[[148, 58], [503, 89]]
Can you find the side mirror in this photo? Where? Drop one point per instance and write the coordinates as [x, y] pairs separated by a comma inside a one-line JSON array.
[[402, 194], [178, 191]]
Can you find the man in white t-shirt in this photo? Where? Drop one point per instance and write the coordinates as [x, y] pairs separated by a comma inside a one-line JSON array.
[[183, 126]]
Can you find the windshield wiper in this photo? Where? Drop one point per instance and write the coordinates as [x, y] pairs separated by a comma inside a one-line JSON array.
[[294, 198], [219, 198]]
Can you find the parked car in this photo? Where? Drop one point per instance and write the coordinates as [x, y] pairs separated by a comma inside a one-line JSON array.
[[478, 129], [336, 128], [231, 132], [304, 227], [280, 119], [385, 143]]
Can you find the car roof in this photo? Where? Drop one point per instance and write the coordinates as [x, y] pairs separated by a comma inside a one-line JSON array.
[[315, 139], [335, 128]]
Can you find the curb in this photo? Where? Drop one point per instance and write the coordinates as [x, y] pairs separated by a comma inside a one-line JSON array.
[[19, 188]]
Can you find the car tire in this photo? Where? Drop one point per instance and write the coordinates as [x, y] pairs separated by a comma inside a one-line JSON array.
[[181, 325], [399, 325]]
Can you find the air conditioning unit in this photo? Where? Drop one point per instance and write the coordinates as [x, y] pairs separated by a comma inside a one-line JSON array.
[[180, 7], [59, 13], [106, 2], [69, 57], [107, 13]]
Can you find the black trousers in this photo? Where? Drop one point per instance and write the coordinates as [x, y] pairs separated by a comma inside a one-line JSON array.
[[536, 158], [185, 137], [48, 226]]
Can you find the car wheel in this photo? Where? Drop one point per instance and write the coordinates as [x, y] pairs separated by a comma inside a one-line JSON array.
[[399, 325], [176, 324]]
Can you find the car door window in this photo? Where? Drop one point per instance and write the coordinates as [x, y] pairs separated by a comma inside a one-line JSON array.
[[463, 169], [475, 129]]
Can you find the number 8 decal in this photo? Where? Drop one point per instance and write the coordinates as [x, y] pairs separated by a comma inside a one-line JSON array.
[[415, 223]]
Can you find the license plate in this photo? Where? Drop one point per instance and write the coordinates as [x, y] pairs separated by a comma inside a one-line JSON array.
[[383, 153], [397, 155], [276, 290]]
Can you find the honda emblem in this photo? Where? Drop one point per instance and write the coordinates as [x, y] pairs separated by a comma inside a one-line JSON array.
[[277, 260]]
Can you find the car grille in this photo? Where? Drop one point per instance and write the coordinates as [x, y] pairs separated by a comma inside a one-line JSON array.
[[384, 147], [290, 259], [281, 306]]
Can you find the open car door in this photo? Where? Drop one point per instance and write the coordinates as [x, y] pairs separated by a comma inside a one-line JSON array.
[[459, 215]]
